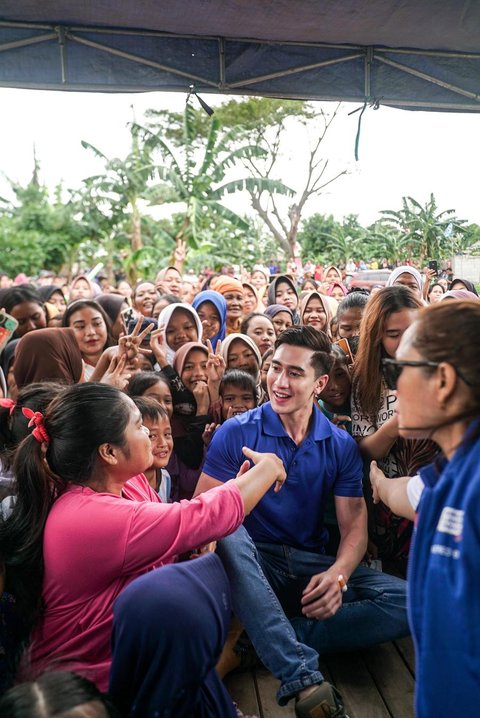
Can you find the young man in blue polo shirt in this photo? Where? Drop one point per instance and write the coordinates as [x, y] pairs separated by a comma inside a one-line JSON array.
[[332, 602]]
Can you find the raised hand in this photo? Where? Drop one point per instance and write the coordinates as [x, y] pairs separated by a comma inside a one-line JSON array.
[[130, 344], [208, 433], [215, 363], [157, 345], [180, 252], [202, 397], [117, 374]]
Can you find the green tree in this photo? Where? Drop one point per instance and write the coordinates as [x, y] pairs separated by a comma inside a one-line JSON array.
[[118, 191], [469, 241], [384, 241], [314, 234], [268, 125], [426, 231], [326, 239], [194, 173], [36, 231], [261, 123]]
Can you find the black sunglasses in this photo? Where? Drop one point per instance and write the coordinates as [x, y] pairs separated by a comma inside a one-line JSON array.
[[392, 368]]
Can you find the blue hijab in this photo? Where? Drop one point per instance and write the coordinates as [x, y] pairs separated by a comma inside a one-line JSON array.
[[220, 305]]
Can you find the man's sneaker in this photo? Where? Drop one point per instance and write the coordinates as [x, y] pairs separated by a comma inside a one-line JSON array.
[[324, 702]]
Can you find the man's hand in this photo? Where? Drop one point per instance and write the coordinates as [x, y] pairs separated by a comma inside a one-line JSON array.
[[322, 597]]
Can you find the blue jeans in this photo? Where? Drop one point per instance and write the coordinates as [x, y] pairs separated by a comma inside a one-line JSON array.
[[267, 581]]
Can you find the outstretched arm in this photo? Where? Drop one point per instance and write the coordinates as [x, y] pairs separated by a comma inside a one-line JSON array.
[[254, 482], [393, 492]]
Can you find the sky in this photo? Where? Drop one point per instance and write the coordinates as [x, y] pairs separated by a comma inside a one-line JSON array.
[[401, 152]]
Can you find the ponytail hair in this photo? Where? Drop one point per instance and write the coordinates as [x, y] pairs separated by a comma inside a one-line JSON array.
[[77, 421], [56, 694], [13, 423]]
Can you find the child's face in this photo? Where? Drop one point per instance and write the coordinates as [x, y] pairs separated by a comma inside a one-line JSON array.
[[195, 368], [236, 401], [337, 392], [160, 435], [180, 329], [161, 392]]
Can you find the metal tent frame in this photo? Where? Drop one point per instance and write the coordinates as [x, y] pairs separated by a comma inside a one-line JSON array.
[[84, 57]]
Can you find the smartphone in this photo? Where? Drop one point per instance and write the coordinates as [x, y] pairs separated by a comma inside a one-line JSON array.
[[7, 327], [127, 316], [133, 323], [345, 347], [433, 264]]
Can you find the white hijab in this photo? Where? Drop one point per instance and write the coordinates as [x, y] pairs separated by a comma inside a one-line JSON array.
[[164, 319]]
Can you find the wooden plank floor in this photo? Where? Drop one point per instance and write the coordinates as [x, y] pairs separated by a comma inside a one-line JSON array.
[[375, 683]]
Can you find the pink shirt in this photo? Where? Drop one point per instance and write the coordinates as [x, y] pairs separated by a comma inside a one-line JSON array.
[[97, 543]]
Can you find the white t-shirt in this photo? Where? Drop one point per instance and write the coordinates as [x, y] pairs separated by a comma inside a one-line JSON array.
[[364, 425], [414, 490]]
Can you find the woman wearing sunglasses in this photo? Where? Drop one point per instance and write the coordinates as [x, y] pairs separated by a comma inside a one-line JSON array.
[[387, 316], [437, 381]]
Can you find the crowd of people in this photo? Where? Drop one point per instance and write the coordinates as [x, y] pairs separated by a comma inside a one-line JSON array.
[[226, 464]]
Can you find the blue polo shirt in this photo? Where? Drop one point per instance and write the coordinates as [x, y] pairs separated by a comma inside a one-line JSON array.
[[327, 461], [444, 587]]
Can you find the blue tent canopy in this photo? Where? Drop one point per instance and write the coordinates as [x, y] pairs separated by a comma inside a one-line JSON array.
[[416, 54]]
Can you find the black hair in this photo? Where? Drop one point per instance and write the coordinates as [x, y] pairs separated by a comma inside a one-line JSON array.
[[139, 284], [436, 284], [150, 408], [362, 290], [79, 304], [309, 338], [239, 378], [20, 294], [338, 354], [78, 420], [354, 300], [169, 298], [14, 425], [268, 355], [56, 693], [246, 322], [143, 381], [47, 291]]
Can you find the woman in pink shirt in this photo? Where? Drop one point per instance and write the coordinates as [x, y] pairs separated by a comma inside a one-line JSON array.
[[83, 529]]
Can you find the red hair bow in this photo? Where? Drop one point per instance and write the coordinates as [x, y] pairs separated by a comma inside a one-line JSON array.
[[8, 404], [36, 418]]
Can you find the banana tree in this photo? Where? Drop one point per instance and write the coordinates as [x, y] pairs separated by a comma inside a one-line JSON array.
[[195, 175], [122, 186], [423, 228]]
